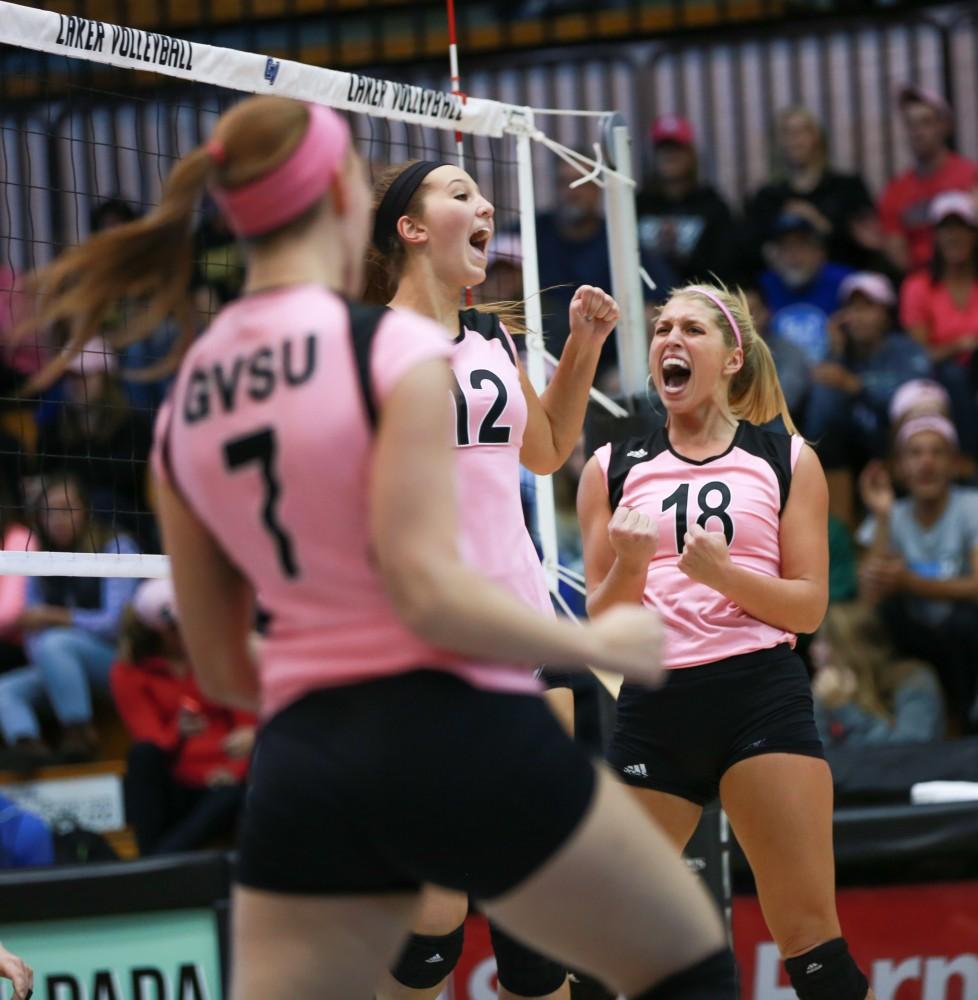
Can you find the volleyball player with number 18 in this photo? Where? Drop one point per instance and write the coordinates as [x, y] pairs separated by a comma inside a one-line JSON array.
[[302, 456], [719, 521]]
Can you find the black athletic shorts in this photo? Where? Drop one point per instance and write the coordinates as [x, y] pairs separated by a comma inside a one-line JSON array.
[[682, 737], [385, 785]]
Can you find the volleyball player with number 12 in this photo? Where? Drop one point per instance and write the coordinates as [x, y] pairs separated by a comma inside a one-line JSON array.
[[719, 521]]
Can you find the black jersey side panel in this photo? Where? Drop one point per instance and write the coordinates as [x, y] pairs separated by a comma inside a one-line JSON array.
[[364, 321], [486, 324], [772, 442]]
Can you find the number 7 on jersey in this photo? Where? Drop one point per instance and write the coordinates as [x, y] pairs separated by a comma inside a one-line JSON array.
[[261, 448]]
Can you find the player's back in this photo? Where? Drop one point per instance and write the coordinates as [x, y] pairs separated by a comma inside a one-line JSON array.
[[269, 441]]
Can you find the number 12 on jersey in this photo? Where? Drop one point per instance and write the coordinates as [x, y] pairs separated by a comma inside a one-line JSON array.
[[679, 499]]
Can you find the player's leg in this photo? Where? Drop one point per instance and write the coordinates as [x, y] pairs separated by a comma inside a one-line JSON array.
[[646, 918], [314, 947], [780, 808], [523, 972], [676, 817], [431, 951]]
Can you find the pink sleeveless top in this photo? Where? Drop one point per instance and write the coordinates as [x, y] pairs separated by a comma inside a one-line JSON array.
[[490, 418], [267, 436], [741, 493]]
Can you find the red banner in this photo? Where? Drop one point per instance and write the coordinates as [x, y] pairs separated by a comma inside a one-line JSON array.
[[913, 942]]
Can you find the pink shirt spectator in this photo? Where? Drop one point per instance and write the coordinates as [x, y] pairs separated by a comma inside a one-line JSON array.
[[33, 352], [926, 303], [741, 493], [13, 589], [905, 203], [267, 437]]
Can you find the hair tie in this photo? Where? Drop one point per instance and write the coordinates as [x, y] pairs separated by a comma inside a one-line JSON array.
[[295, 185], [216, 151]]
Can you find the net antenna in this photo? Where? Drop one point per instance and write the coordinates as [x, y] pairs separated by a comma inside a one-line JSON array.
[[99, 45]]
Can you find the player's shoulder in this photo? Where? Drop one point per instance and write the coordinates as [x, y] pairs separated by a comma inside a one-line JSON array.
[[619, 458], [775, 445]]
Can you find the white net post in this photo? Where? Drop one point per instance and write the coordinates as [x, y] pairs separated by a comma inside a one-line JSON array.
[[536, 366], [623, 249]]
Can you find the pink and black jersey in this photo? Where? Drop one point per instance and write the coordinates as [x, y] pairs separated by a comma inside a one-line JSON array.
[[490, 417], [741, 493], [268, 436]]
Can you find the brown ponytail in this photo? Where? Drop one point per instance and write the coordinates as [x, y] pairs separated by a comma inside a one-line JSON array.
[[150, 260], [755, 391]]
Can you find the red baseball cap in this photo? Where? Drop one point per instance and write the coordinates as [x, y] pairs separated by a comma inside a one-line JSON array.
[[910, 93], [672, 128]]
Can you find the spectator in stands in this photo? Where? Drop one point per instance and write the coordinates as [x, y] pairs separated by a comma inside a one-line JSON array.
[[939, 307], [801, 287], [186, 770], [16, 537], [18, 359], [71, 623], [906, 201], [572, 247], [26, 840], [837, 204], [102, 441], [790, 360], [921, 565], [680, 219], [863, 692], [143, 393], [848, 407]]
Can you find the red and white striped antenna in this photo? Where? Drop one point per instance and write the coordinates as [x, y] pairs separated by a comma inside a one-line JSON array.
[[456, 82]]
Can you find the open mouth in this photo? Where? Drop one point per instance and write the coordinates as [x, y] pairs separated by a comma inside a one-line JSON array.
[[675, 375], [480, 241]]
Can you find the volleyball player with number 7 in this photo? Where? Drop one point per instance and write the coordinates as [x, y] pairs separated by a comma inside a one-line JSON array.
[[719, 521]]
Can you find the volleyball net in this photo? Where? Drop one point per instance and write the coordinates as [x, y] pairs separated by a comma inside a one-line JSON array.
[[93, 116]]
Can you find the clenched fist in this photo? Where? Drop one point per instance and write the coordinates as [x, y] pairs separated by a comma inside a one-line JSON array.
[[634, 536], [593, 313], [705, 556]]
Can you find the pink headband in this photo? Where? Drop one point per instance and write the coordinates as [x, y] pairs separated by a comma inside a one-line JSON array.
[[718, 302], [939, 425], [294, 185]]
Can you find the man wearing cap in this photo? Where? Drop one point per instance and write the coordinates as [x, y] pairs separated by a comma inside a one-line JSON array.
[[922, 560], [801, 287], [848, 405], [905, 204], [685, 221]]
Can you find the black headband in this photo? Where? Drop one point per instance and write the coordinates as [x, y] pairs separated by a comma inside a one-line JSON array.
[[392, 206]]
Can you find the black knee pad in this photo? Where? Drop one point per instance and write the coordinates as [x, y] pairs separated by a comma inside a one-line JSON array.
[[715, 978], [428, 958], [827, 972], [521, 970]]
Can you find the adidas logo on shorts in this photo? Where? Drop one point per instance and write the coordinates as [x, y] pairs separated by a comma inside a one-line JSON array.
[[434, 958], [637, 453], [813, 967], [635, 770]]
